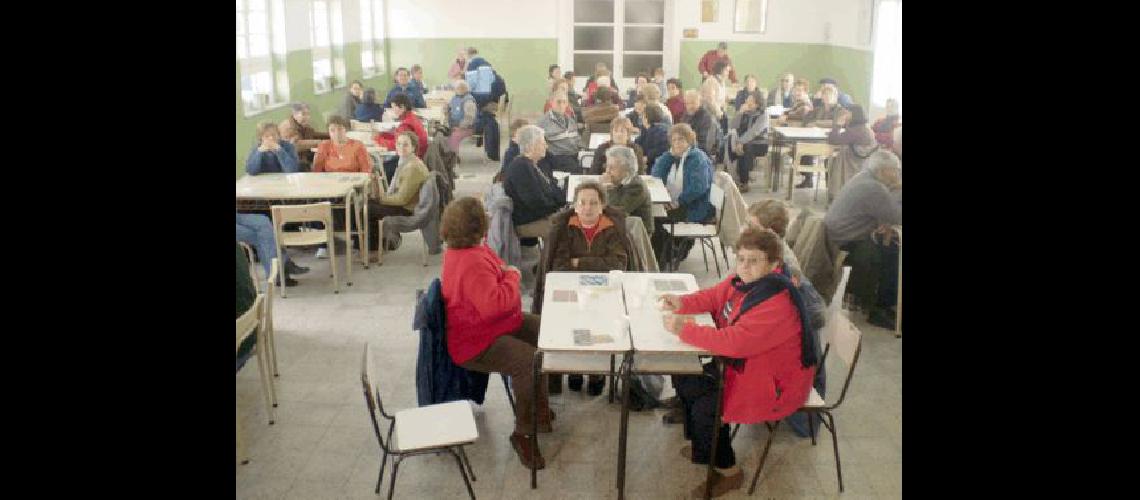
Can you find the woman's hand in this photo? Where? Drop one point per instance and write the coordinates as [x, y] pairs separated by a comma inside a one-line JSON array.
[[674, 323], [670, 302]]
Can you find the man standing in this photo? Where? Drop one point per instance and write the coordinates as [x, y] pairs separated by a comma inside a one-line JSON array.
[[705, 66]]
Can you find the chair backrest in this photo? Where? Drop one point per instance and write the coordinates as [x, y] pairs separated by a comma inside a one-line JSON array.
[[372, 396], [248, 322], [803, 238], [315, 212], [836, 304], [586, 161], [716, 197], [847, 342]]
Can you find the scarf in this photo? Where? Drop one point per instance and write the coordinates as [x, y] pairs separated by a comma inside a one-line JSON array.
[[675, 179], [764, 288]]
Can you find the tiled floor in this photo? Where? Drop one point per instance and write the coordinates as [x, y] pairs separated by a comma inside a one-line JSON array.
[[323, 446]]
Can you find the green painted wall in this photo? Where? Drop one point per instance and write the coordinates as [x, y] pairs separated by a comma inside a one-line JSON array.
[[299, 67], [522, 62], [850, 67]]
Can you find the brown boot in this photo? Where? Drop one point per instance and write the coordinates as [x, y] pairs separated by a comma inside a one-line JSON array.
[[721, 485], [521, 444], [544, 419]]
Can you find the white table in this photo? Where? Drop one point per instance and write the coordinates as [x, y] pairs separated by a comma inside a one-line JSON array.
[[597, 138], [802, 133], [647, 331], [657, 191], [782, 137]]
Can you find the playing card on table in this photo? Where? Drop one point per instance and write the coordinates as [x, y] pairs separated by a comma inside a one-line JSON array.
[[582, 337], [565, 296], [593, 280]]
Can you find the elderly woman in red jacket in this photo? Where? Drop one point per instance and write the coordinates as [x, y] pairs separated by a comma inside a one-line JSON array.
[[760, 326], [409, 121], [486, 328]]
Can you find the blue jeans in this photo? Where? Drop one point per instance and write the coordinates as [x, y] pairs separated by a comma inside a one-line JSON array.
[[257, 231]]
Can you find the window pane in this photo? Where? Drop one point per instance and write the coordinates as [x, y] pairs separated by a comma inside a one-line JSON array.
[[256, 4], [584, 63], [632, 64], [337, 25], [366, 61], [594, 38], [258, 23], [593, 11], [258, 45], [240, 5], [645, 11], [241, 53], [641, 38], [279, 27], [240, 23], [320, 24], [365, 19], [750, 16]]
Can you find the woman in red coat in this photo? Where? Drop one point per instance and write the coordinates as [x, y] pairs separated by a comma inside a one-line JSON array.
[[760, 327], [402, 105], [486, 328]]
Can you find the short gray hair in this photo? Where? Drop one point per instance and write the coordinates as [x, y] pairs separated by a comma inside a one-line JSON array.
[[529, 136], [625, 157], [882, 160], [462, 83]]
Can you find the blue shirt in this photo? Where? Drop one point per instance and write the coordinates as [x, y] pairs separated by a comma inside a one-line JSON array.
[[368, 112], [284, 160], [413, 92]]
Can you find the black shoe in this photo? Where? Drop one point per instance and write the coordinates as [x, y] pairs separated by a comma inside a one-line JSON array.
[[292, 268], [288, 281], [596, 384], [675, 416], [881, 318], [554, 384], [574, 382]]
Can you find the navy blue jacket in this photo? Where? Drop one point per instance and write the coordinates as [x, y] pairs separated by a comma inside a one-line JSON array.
[[698, 179], [284, 160], [654, 141], [438, 378], [413, 92], [368, 112], [534, 195]]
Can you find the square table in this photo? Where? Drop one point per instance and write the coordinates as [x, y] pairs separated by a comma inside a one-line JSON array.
[[657, 191], [781, 137], [260, 192]]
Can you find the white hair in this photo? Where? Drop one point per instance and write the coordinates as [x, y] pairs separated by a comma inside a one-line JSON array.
[[529, 137], [461, 83], [882, 160], [625, 157]]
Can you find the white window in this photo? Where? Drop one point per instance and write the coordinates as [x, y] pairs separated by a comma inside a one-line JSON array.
[[326, 35], [886, 79], [627, 35], [372, 37], [260, 35]]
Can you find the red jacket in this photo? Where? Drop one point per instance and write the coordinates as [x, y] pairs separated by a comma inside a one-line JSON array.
[[710, 59], [768, 337], [407, 122], [481, 301], [676, 105]]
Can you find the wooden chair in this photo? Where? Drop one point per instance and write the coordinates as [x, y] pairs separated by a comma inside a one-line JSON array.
[[249, 324], [702, 232], [252, 267], [267, 324], [431, 429], [821, 151], [316, 212]]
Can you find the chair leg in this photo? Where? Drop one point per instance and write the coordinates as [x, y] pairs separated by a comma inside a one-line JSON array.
[[470, 472], [380, 478], [734, 429], [811, 426], [705, 255], [711, 247], [263, 371], [835, 446], [392, 482], [243, 453], [723, 252], [281, 268], [510, 397], [763, 455], [332, 256], [380, 251]]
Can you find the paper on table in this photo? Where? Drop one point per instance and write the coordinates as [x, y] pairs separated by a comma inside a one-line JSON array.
[[565, 296]]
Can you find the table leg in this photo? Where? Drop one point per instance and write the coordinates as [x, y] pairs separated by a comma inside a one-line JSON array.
[[898, 305], [777, 163], [348, 201], [534, 418], [720, 368], [362, 223], [623, 435]]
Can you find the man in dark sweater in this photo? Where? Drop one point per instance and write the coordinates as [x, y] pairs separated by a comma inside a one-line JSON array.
[[698, 117], [536, 197]]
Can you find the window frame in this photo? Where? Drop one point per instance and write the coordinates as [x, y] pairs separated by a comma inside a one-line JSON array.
[[271, 62], [333, 53], [372, 40], [618, 52]]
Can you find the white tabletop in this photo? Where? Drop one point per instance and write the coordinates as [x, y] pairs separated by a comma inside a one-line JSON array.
[[596, 308], [802, 132], [645, 318], [776, 110], [300, 185], [597, 138], [432, 113], [657, 191]]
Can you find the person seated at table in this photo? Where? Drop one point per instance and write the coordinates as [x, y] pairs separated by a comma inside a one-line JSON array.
[[747, 136], [403, 192], [884, 127], [781, 94], [638, 81], [553, 73], [625, 189], [827, 111], [653, 99], [535, 194], [676, 100], [750, 86], [409, 122], [270, 154], [687, 173], [352, 98], [603, 81], [859, 221], [637, 114], [859, 142], [418, 79], [773, 214], [659, 80], [620, 131], [761, 329], [561, 134], [591, 237], [713, 98], [654, 140], [369, 110], [458, 68], [601, 110], [339, 153], [257, 231], [461, 113], [563, 86], [487, 331], [406, 87], [701, 121], [800, 109], [513, 148], [842, 98], [298, 130]]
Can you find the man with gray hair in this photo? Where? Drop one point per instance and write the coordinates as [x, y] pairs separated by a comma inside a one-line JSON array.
[[859, 221], [535, 196], [624, 188], [298, 130], [561, 134]]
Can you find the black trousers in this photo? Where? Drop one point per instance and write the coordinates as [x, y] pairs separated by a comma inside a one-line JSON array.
[[874, 273], [745, 161], [698, 399]]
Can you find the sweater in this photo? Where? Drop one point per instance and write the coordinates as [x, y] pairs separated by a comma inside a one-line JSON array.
[[413, 92], [605, 251], [862, 206], [509, 156], [598, 166], [534, 195], [350, 157], [407, 122], [676, 105], [284, 160], [654, 141], [368, 112], [696, 185], [633, 198], [481, 300], [703, 126], [768, 336], [406, 184], [561, 132], [348, 109]]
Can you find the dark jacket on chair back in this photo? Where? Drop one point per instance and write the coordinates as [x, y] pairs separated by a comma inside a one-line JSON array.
[[438, 378]]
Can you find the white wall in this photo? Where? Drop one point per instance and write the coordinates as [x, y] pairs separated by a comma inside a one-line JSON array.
[[473, 18], [834, 22]]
